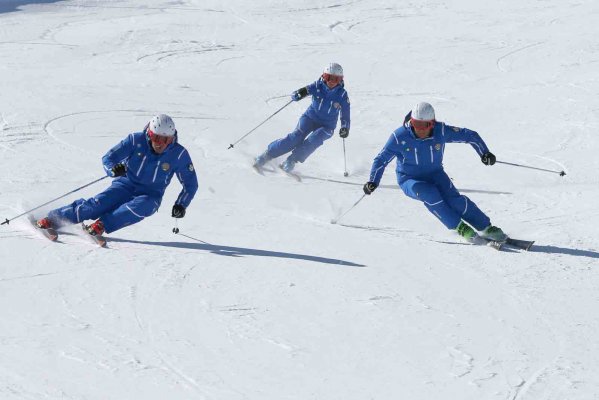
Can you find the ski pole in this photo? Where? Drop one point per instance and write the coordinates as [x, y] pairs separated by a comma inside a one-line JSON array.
[[7, 221], [262, 123], [561, 173], [334, 221], [176, 231], [345, 173]]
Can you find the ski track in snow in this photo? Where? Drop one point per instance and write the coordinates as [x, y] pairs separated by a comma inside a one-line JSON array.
[[511, 53], [48, 131], [162, 55], [139, 112]]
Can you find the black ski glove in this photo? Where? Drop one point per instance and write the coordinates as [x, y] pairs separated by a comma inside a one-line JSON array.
[[369, 187], [178, 211], [488, 158], [344, 132], [118, 170], [299, 94]]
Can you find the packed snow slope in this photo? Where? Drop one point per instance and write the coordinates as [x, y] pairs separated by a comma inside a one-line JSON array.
[[260, 296]]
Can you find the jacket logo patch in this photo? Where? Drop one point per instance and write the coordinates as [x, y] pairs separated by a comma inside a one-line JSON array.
[[140, 154], [337, 105], [165, 166], [438, 146], [190, 167]]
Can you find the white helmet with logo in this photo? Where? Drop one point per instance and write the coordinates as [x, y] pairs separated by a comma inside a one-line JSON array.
[[423, 112], [162, 125], [334, 69]]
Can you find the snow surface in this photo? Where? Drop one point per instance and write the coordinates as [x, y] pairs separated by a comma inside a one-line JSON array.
[[260, 296]]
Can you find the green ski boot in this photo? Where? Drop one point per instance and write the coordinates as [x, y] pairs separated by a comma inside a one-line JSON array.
[[494, 233], [466, 231]]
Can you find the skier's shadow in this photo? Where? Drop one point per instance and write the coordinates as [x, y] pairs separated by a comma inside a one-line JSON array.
[[563, 250], [231, 251]]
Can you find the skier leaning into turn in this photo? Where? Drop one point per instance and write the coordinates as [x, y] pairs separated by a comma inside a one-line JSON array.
[[329, 99], [419, 145], [143, 164]]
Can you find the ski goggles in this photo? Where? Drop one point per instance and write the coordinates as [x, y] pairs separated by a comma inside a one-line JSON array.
[[160, 139], [332, 79], [418, 124]]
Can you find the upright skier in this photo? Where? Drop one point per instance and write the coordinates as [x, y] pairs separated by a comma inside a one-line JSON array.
[[329, 98], [419, 145], [143, 164]]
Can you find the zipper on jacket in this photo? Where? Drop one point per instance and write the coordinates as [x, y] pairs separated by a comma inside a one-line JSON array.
[[141, 166], [156, 171]]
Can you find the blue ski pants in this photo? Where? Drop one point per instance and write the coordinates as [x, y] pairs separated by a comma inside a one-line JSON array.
[[307, 137], [442, 199], [120, 205]]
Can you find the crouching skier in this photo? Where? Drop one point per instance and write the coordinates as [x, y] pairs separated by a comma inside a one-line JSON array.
[[419, 145], [143, 164]]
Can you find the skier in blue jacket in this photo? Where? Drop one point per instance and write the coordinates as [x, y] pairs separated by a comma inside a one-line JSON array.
[[143, 164], [329, 99], [419, 145]]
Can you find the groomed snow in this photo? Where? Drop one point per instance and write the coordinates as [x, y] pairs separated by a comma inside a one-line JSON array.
[[260, 296]]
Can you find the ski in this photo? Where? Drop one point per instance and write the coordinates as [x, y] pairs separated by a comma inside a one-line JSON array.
[[292, 174], [97, 239], [49, 233], [260, 170], [516, 243], [520, 244]]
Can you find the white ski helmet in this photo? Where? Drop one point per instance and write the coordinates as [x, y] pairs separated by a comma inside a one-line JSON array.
[[162, 125], [333, 69], [423, 112]]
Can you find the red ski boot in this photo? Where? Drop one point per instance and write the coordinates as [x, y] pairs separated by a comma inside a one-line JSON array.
[[95, 231], [44, 223]]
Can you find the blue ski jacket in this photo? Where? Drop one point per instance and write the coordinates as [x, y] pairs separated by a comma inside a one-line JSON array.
[[151, 173], [327, 103], [418, 158]]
